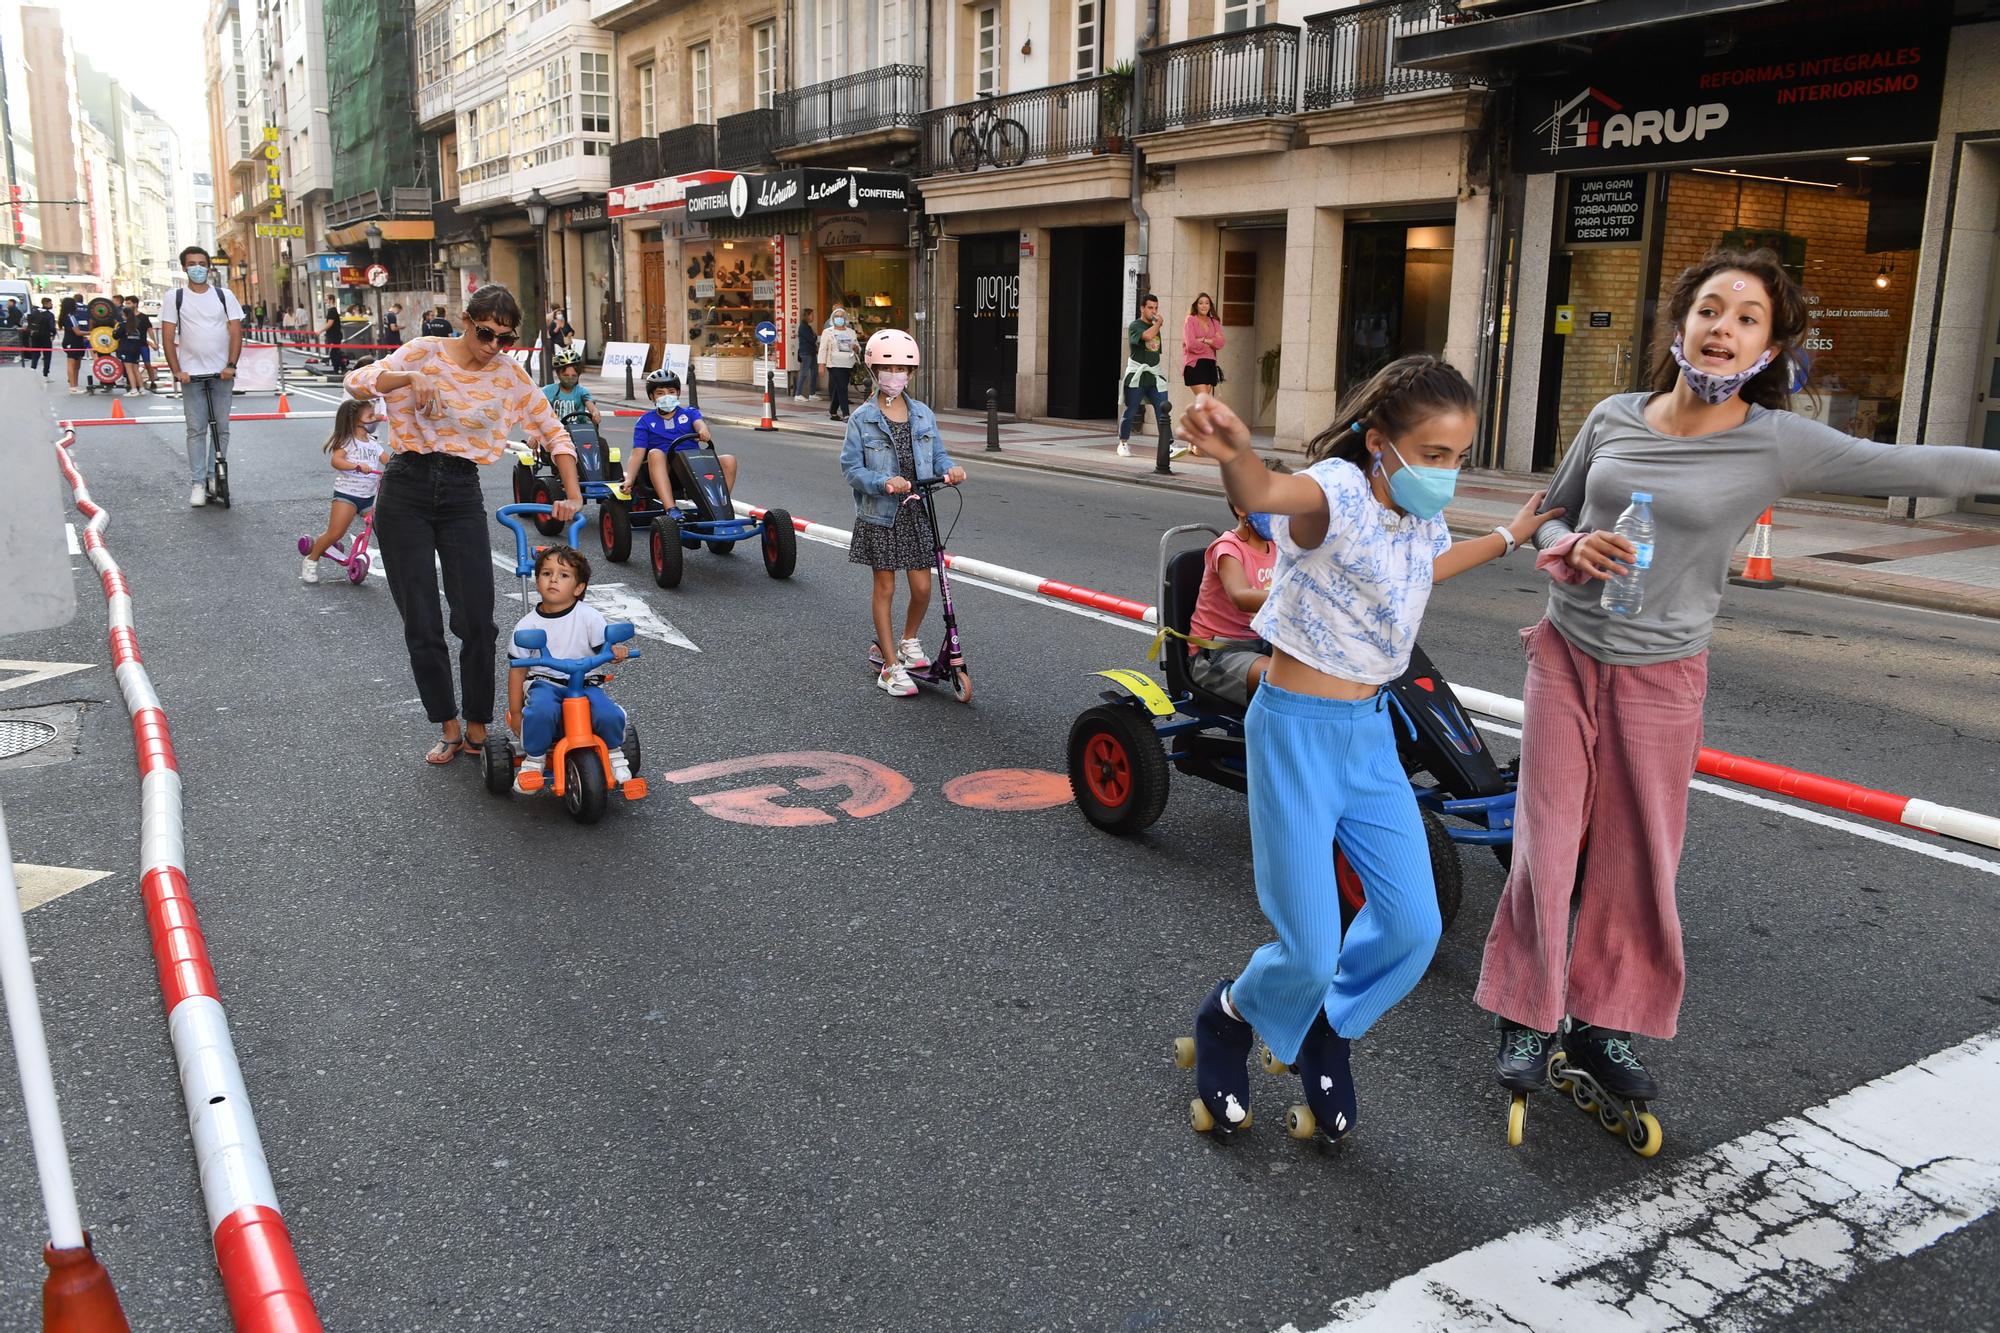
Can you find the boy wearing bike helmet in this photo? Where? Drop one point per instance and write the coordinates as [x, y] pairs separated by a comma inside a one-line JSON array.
[[671, 425], [567, 395], [893, 442]]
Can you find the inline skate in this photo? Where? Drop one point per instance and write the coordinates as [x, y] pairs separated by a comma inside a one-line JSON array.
[[1604, 1076]]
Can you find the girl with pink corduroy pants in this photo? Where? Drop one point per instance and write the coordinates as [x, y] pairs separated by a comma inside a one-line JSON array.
[[1614, 702]]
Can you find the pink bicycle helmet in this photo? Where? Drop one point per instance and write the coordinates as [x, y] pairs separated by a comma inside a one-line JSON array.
[[890, 347]]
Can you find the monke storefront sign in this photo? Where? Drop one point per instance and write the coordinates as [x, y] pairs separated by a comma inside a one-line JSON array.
[[1855, 72]]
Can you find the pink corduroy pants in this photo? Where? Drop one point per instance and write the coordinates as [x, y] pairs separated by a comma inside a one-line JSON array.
[[1607, 753]]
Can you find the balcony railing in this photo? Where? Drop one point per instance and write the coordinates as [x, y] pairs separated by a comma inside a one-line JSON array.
[[635, 161], [1351, 53], [891, 97], [745, 140], [1232, 76], [412, 200], [689, 148], [1078, 119]]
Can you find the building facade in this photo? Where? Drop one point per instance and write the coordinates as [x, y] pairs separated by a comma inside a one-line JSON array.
[[21, 239], [55, 126]]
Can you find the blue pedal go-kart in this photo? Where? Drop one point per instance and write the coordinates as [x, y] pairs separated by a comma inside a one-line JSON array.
[[699, 511], [1120, 750], [579, 766], [600, 470]]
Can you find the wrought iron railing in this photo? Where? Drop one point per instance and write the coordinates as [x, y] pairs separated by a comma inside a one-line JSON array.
[[745, 140], [689, 148], [1230, 76], [635, 161], [1078, 119], [1351, 53], [891, 97], [401, 200]]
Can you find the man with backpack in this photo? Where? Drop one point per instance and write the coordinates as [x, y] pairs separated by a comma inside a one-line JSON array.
[[201, 333], [436, 325]]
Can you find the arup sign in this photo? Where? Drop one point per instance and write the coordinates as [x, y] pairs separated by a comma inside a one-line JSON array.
[[1575, 124]]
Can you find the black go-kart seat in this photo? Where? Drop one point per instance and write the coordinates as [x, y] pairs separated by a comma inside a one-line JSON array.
[[1178, 591], [593, 460], [696, 476]]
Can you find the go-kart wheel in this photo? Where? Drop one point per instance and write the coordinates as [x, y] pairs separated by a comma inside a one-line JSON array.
[[1117, 768], [583, 785], [614, 530], [524, 483], [1447, 873], [722, 548], [540, 492], [781, 544], [496, 764], [665, 544], [357, 569], [631, 748]]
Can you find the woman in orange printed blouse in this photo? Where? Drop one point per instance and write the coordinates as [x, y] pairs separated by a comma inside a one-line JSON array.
[[452, 405]]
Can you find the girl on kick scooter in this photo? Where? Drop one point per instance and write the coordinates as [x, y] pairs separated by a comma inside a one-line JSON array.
[[892, 443], [1614, 698]]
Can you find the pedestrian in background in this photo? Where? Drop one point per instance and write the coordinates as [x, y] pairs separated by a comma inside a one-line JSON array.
[[1201, 341], [41, 326], [392, 325], [1142, 382], [1614, 701], [201, 335], [807, 388], [134, 337], [839, 349], [331, 335], [436, 325], [75, 323]]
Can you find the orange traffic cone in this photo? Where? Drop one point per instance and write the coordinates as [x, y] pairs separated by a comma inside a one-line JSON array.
[[1757, 572], [77, 1296], [284, 404], [117, 410], [767, 423]]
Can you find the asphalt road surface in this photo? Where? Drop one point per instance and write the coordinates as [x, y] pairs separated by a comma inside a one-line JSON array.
[[907, 1069]]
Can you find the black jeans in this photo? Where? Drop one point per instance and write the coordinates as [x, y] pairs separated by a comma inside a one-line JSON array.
[[836, 388], [430, 504]]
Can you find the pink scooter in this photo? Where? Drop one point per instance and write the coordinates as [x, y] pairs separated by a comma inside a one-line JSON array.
[[351, 556]]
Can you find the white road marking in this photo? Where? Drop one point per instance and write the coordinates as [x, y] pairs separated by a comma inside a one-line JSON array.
[[618, 604], [37, 672], [44, 884], [69, 535], [1736, 1237]]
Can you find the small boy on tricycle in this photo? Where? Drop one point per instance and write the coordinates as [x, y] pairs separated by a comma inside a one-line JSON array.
[[569, 630]]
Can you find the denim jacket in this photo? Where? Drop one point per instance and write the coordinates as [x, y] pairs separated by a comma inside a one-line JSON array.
[[868, 458]]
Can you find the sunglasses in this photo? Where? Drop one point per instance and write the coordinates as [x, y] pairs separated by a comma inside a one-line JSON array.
[[487, 335]]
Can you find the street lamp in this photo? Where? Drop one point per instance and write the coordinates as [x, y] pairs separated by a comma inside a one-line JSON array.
[[374, 235], [538, 217]]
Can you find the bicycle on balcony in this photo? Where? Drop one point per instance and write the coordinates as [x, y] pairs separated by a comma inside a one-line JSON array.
[[987, 136]]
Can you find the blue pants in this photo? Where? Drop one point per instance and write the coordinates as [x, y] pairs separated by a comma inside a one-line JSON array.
[[1321, 770], [1136, 398], [541, 717]]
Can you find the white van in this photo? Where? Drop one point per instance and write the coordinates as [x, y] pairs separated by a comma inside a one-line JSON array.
[[17, 289]]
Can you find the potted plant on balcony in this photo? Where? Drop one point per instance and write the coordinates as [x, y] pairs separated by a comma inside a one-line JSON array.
[[1112, 93]]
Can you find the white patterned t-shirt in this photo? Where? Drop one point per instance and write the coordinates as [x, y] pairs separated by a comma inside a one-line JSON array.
[[1351, 605], [365, 451]]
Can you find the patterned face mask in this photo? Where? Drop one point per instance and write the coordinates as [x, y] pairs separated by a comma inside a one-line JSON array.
[[1717, 389]]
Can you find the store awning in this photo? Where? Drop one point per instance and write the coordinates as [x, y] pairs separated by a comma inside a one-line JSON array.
[[1473, 47], [393, 229]]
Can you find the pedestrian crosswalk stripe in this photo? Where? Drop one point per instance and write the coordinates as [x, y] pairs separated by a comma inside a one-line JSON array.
[[43, 884], [33, 673]]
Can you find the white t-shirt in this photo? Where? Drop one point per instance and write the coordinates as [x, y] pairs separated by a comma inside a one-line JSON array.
[[201, 327], [366, 451], [1351, 606], [576, 633]]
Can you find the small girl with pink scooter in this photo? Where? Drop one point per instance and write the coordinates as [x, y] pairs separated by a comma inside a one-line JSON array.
[[357, 474]]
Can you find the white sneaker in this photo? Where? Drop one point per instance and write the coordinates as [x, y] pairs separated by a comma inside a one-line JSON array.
[[309, 571], [621, 772], [1124, 449], [1180, 451], [533, 764], [74, 390], [197, 496], [896, 680], [910, 655]]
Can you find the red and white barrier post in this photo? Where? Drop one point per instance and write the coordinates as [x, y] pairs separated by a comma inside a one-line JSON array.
[[253, 1250]]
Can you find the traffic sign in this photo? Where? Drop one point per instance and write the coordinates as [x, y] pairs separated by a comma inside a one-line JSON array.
[[378, 276], [767, 333]]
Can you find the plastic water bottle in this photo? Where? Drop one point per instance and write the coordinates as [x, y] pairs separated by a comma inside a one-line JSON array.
[[1625, 593]]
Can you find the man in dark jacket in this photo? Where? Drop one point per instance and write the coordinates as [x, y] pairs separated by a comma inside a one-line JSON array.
[[436, 325], [41, 333], [806, 386]]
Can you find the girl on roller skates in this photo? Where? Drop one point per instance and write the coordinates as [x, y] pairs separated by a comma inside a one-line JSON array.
[[1614, 701], [1361, 538]]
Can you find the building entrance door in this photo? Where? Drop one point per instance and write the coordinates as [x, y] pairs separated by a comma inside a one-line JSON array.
[[989, 308], [1987, 420], [653, 292], [1086, 339]]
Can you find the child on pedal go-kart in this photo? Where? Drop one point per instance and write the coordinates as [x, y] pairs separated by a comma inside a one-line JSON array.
[[567, 395], [1225, 655], [575, 630], [668, 427]]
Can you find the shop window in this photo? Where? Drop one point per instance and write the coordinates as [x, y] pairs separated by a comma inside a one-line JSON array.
[[873, 286], [764, 51], [649, 112], [1089, 38], [986, 52], [1395, 295], [732, 288]]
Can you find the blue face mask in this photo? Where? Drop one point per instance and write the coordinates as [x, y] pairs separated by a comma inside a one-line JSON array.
[[1421, 492], [839, 322], [1259, 524], [197, 274], [665, 403]]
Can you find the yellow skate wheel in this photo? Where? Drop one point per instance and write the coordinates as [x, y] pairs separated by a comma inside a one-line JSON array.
[[1517, 1119], [1272, 1064], [1299, 1122], [1184, 1052], [1608, 1117], [1199, 1117], [1649, 1127]]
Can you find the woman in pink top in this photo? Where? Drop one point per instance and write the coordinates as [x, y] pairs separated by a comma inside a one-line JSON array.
[[1201, 339], [452, 404], [1235, 579]]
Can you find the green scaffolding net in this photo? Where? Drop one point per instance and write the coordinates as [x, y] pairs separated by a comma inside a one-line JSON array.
[[369, 78]]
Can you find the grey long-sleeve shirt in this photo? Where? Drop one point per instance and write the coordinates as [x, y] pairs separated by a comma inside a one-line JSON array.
[[1707, 490]]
